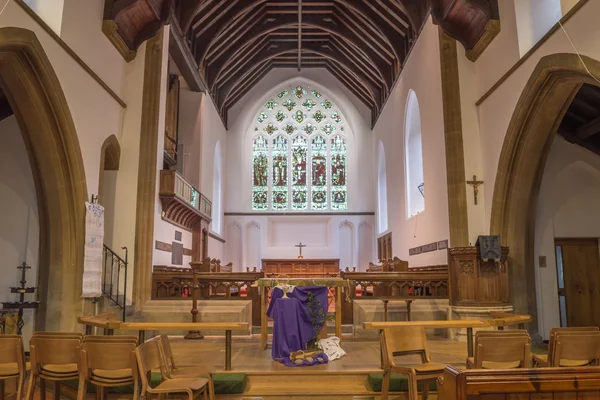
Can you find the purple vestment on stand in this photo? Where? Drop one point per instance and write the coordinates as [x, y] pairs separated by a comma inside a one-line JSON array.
[[292, 323]]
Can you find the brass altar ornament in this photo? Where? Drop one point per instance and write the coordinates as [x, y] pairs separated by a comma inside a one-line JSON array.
[[285, 285]]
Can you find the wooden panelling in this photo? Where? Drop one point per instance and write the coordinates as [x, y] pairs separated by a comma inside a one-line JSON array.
[[300, 268], [520, 384], [477, 283]]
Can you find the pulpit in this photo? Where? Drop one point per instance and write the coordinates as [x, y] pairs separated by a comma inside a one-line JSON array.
[[475, 282], [302, 267]]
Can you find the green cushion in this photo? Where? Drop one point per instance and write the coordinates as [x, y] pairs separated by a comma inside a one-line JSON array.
[[398, 383], [229, 383], [539, 350]]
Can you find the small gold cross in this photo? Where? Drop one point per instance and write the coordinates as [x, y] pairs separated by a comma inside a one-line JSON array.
[[475, 183]]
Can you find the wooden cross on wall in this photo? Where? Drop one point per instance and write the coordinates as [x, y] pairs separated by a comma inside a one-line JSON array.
[[475, 183], [300, 246]]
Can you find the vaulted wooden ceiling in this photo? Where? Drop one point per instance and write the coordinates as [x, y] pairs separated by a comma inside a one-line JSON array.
[[581, 123], [226, 47]]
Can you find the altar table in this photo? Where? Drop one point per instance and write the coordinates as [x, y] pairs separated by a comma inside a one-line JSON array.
[[266, 283]]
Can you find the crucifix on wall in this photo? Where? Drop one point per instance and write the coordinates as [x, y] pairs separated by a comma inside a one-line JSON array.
[[475, 183], [300, 246]]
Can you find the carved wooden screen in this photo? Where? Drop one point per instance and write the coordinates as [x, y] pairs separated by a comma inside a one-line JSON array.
[[384, 247], [172, 121]]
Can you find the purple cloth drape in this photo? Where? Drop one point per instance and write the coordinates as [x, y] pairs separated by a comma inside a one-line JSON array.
[[292, 322]]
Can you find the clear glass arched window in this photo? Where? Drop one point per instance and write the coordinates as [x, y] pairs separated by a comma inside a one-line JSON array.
[[382, 216], [413, 150], [217, 201], [299, 153]]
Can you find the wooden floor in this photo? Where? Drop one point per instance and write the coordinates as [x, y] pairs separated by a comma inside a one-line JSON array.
[[246, 355], [340, 379]]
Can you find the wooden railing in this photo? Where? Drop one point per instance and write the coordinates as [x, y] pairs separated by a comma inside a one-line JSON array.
[[170, 283]]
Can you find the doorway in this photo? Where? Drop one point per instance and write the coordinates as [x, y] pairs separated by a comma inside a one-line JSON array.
[[578, 274]]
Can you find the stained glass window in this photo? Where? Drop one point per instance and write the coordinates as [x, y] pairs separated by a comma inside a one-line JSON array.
[[299, 153], [280, 173], [260, 174], [299, 186], [338, 174]]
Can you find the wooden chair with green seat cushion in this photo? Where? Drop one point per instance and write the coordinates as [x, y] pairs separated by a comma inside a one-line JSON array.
[[12, 362], [149, 356], [405, 341], [497, 335], [184, 371], [53, 358], [545, 360], [107, 364], [576, 349]]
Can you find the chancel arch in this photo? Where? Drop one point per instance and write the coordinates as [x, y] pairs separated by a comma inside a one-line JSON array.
[[29, 82], [413, 157], [538, 114]]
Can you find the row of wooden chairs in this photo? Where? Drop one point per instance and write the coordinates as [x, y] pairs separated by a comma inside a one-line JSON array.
[[504, 349], [571, 347], [104, 361]]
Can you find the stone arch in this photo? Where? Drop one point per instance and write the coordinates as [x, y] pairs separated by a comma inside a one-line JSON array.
[[539, 111], [36, 97]]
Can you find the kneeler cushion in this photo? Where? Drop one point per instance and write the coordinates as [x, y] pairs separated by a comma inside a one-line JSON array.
[[398, 383], [229, 383]]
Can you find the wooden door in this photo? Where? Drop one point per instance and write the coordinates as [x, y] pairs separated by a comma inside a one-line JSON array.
[[581, 274]]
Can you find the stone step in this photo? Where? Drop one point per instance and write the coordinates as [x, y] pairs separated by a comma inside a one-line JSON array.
[[299, 383]]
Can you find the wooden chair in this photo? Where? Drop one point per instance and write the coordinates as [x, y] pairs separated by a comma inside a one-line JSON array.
[[501, 352], [57, 335], [576, 349], [108, 364], [404, 341], [53, 358], [489, 360], [545, 360], [111, 339], [149, 356], [12, 363], [184, 371]]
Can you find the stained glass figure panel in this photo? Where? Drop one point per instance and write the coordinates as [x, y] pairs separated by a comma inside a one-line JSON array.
[[339, 196], [279, 185], [318, 154], [299, 165], [260, 174]]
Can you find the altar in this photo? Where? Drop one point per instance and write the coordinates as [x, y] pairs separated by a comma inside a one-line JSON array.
[[342, 288], [302, 267]]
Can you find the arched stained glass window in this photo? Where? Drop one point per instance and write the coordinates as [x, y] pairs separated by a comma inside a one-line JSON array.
[[299, 153]]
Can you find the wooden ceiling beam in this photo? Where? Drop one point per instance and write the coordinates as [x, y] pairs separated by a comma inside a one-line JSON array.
[[589, 129]]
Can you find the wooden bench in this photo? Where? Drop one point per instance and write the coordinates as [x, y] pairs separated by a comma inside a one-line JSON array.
[[520, 384]]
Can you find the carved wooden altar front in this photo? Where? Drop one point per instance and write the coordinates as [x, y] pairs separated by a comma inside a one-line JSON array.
[[302, 267]]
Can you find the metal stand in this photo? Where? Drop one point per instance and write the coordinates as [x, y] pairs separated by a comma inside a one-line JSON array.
[[21, 291]]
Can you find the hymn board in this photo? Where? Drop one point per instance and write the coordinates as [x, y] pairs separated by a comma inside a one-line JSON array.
[[301, 267]]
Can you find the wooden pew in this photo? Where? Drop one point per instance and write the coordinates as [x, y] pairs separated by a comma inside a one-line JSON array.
[[520, 384]]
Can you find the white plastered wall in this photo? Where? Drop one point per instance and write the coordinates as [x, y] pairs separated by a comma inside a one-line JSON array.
[[421, 74], [275, 236], [95, 113], [19, 219], [495, 112], [567, 208]]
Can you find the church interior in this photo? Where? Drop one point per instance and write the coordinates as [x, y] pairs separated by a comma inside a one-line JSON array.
[[291, 199]]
